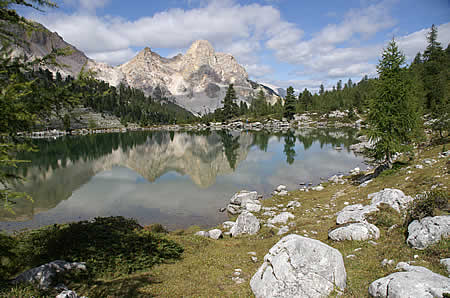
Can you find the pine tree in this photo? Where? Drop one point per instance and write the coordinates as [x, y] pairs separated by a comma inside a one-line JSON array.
[[289, 105], [393, 117], [230, 108]]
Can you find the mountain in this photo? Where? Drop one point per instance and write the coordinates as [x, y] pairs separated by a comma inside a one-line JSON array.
[[197, 80], [278, 90]]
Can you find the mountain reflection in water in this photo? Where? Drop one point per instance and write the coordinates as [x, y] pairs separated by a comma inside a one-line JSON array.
[[174, 178]]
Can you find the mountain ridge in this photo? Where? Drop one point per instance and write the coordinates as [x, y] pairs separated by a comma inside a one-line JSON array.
[[196, 81]]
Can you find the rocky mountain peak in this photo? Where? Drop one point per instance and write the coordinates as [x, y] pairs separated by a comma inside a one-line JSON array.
[[201, 48]]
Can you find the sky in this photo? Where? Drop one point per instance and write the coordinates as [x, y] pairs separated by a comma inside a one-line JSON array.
[[299, 43]]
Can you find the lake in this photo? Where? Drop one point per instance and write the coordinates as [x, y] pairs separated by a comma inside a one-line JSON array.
[[177, 179]]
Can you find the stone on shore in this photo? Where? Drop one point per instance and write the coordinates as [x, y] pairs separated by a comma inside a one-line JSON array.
[[202, 234], [299, 267], [215, 234], [354, 213], [392, 197], [246, 223], [283, 218]]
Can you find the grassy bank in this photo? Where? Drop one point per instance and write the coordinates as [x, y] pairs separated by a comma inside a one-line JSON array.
[[207, 266]]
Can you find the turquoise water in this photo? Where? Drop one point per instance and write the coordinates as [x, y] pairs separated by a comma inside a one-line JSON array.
[[174, 178]]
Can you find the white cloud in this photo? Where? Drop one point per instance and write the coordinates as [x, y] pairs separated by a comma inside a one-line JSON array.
[[258, 70]]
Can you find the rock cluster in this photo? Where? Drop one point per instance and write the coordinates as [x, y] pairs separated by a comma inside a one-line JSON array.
[[244, 200]]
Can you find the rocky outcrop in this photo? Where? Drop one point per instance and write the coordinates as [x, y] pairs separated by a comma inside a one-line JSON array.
[[299, 267], [246, 223], [355, 231], [44, 276], [415, 282], [357, 213], [428, 231]]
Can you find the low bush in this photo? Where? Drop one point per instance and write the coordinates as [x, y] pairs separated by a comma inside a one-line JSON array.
[[426, 205], [7, 256], [386, 216], [113, 245]]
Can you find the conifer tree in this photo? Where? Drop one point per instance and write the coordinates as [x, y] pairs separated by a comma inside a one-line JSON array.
[[393, 117], [230, 108], [289, 105]]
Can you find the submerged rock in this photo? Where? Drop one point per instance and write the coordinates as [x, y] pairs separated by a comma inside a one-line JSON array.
[[415, 282], [299, 267], [428, 231]]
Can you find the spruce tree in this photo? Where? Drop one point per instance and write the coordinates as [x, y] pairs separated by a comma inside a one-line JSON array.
[[393, 117], [289, 105], [230, 108]]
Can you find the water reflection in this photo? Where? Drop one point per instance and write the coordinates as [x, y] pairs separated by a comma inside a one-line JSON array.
[[174, 178]]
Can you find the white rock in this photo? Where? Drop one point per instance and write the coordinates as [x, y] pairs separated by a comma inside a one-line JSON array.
[[243, 195], [393, 197], [44, 275], [215, 234], [355, 231], [354, 213], [283, 230], [283, 218], [246, 223], [446, 263], [254, 259], [202, 234], [228, 224], [416, 282], [269, 213], [283, 193], [318, 188], [68, 294], [252, 207], [428, 231], [299, 267], [294, 204], [238, 280], [281, 188], [419, 167]]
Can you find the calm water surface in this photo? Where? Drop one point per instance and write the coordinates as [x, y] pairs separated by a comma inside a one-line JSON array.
[[174, 178]]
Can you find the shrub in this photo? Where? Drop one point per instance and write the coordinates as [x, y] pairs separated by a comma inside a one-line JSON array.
[[386, 216], [111, 244], [426, 204], [7, 256]]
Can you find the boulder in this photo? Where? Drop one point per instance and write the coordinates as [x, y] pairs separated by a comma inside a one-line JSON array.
[[68, 294], [428, 231], [393, 197], [246, 223], [215, 234], [244, 196], [446, 263], [283, 217], [44, 275], [354, 213], [415, 282], [355, 231], [202, 234], [283, 230], [299, 267], [252, 207], [228, 224], [233, 209], [281, 188]]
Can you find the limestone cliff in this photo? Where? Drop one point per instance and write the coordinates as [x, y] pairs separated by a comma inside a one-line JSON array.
[[196, 80]]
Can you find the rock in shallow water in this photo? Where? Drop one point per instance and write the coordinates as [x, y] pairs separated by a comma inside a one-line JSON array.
[[299, 267]]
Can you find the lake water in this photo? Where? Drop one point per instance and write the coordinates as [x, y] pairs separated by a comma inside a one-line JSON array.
[[177, 179]]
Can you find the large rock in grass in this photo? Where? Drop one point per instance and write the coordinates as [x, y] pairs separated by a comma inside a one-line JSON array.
[[428, 231], [415, 282], [246, 223], [355, 231], [354, 213], [45, 275], [392, 197], [299, 267], [395, 198], [282, 218]]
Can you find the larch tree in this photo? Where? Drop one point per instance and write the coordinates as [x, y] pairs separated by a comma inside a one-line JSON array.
[[393, 117]]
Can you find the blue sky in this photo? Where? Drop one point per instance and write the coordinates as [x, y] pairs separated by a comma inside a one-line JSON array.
[[282, 42]]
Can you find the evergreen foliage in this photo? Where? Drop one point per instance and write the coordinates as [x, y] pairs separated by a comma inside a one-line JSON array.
[[393, 116], [289, 104]]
